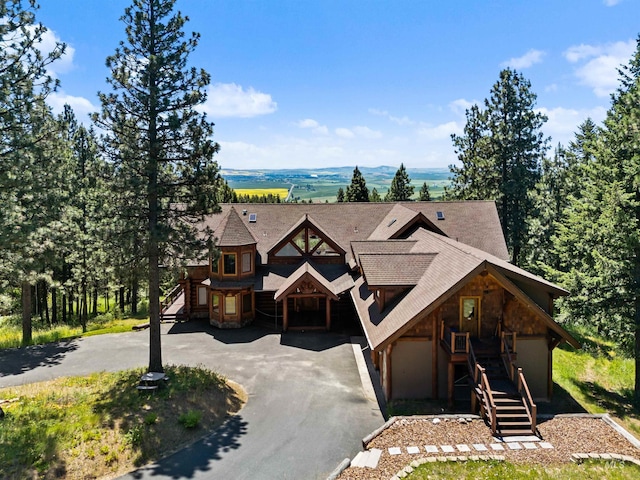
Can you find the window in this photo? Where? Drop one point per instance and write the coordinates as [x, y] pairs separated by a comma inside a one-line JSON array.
[[229, 264], [202, 295], [246, 262], [215, 304], [246, 303], [214, 263], [230, 305], [306, 241], [470, 315]]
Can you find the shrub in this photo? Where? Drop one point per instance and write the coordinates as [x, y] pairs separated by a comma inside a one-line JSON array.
[[150, 418], [190, 419]]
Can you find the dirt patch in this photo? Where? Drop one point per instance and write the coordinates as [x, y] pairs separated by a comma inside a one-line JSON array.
[[567, 435]]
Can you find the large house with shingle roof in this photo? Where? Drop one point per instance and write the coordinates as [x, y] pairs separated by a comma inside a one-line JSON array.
[[429, 283]]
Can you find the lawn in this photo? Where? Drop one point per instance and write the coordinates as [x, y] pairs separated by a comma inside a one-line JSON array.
[[494, 470], [11, 334], [88, 427]]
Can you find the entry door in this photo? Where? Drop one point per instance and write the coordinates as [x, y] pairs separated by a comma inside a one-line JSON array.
[[470, 315]]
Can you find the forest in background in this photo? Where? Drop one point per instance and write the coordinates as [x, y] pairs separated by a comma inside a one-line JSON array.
[[86, 213]]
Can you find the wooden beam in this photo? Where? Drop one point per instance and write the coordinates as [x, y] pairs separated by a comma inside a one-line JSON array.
[[328, 313], [434, 357], [285, 313], [388, 391]]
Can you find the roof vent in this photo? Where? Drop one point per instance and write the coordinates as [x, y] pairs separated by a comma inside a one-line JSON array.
[[253, 217], [440, 215], [244, 211], [391, 222]]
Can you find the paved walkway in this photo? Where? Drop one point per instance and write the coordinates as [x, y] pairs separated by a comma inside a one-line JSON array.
[[307, 409]]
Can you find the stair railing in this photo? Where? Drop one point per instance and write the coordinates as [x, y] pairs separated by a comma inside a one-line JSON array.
[[170, 297], [508, 359], [487, 397], [529, 405]]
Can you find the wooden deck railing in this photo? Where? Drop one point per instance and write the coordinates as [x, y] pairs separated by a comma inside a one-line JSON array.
[[458, 342], [489, 404], [517, 377], [170, 297], [523, 389]]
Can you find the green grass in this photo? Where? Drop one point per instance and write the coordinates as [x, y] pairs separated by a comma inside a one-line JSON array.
[[11, 334], [81, 427], [595, 470], [598, 378]]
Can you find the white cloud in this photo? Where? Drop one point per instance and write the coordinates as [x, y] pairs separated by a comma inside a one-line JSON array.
[[551, 88], [366, 132], [611, 3], [562, 122], [80, 105], [344, 133], [530, 58], [460, 106], [313, 125], [403, 121], [440, 132], [598, 64], [231, 100]]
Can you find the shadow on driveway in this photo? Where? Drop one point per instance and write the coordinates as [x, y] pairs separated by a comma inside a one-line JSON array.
[[227, 336], [15, 361], [199, 456]]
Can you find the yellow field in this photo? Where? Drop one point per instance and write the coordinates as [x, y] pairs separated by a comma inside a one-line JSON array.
[[263, 191]]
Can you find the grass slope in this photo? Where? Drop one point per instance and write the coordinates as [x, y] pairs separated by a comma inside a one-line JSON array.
[[101, 425]]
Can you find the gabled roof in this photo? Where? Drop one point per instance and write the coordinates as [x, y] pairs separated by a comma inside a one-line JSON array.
[[305, 221], [305, 271], [454, 265], [380, 246], [475, 223], [394, 269], [399, 219], [232, 231]]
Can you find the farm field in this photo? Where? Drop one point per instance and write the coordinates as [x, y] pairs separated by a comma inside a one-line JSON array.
[[321, 185]]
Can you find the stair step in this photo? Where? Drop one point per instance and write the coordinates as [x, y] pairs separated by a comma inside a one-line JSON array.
[[515, 424]]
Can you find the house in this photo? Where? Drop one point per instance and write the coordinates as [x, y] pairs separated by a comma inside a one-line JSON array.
[[429, 283]]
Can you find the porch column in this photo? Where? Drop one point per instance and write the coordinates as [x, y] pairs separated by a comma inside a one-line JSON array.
[[434, 358], [328, 319], [386, 380], [285, 313]]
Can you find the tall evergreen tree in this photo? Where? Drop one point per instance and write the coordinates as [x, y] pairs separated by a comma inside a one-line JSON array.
[[375, 196], [357, 191], [340, 195], [424, 195], [159, 142], [501, 151], [401, 188], [25, 129]]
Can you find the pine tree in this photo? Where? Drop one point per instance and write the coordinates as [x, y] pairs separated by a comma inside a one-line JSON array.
[[424, 194], [500, 153], [340, 195], [25, 131], [401, 188], [357, 191], [375, 196], [159, 143]]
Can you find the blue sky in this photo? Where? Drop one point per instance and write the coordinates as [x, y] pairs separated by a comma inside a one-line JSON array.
[[344, 82]]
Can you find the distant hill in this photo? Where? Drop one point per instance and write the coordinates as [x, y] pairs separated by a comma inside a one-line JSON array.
[[322, 184]]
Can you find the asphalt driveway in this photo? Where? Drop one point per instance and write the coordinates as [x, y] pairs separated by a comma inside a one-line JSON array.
[[307, 408]]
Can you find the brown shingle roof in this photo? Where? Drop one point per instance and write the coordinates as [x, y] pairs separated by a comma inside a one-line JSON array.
[[305, 271], [232, 231], [453, 266], [475, 223], [394, 269]]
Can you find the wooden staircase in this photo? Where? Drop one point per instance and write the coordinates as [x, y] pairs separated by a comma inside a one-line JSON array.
[[500, 389]]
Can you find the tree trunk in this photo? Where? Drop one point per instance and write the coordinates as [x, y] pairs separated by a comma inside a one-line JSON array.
[[83, 307], [45, 302], [134, 297], [26, 313], [54, 305], [95, 301], [64, 308], [122, 299]]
